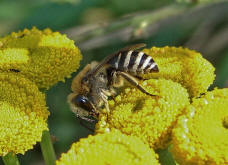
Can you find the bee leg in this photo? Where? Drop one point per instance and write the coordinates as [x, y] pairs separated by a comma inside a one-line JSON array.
[[114, 80], [113, 93], [104, 97], [106, 107], [141, 78], [105, 93], [81, 119], [84, 125], [133, 81], [138, 77], [87, 119]]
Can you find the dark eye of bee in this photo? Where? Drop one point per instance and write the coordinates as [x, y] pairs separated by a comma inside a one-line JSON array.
[[85, 80], [14, 70], [83, 102]]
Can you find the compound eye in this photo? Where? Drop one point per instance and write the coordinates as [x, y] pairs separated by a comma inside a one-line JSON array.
[[81, 99], [85, 80], [83, 102]]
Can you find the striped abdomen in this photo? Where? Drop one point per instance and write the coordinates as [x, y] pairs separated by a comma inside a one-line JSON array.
[[133, 62]]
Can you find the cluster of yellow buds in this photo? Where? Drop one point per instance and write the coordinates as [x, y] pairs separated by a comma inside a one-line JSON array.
[[44, 57], [109, 148], [29, 61], [183, 113], [201, 134]]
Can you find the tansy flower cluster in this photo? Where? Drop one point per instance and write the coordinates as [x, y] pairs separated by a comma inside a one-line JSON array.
[[184, 66], [30, 60], [23, 114], [201, 135], [112, 148], [44, 57]]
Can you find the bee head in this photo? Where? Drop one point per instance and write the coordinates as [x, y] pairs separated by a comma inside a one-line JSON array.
[[83, 107]]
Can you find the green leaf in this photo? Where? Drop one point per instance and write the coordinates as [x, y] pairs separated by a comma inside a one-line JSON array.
[[221, 71], [165, 157]]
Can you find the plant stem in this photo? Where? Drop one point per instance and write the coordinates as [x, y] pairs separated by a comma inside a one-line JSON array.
[[47, 149], [145, 26], [125, 29], [165, 157], [10, 159]]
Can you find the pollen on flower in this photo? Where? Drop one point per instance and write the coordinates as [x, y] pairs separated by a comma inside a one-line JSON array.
[[200, 136], [111, 148], [182, 65], [149, 118], [13, 56], [23, 114], [48, 57]]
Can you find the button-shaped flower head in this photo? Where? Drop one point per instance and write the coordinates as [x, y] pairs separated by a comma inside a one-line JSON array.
[[44, 57], [149, 118], [23, 114], [113, 148], [201, 136], [184, 66]]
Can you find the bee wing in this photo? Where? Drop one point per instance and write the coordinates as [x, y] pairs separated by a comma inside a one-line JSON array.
[[133, 47], [105, 60]]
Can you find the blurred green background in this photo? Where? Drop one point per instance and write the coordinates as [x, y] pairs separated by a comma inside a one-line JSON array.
[[100, 27]]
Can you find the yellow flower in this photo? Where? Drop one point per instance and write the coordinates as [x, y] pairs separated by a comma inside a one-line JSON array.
[[44, 57], [201, 136], [183, 66], [149, 118], [111, 148], [23, 114], [36, 38]]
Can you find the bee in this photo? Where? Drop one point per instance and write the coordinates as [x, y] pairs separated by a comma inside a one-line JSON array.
[[98, 81]]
